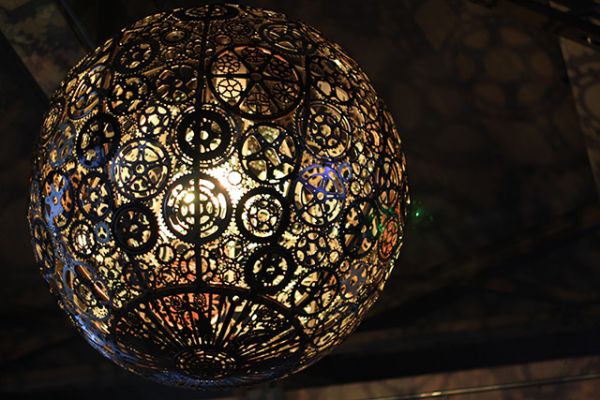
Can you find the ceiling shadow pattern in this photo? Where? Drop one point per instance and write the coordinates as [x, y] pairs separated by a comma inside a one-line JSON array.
[[501, 243]]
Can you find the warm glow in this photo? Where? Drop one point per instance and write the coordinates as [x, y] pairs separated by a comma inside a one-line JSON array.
[[218, 196]]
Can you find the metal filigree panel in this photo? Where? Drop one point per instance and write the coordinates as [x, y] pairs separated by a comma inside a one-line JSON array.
[[218, 196]]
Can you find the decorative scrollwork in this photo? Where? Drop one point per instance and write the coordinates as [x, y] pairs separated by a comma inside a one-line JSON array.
[[218, 197], [178, 265], [236, 349], [196, 210], [254, 82], [205, 135], [319, 195], [234, 249], [95, 196], [269, 153], [177, 84], [98, 140], [208, 12], [155, 120], [136, 55], [90, 91], [327, 131], [237, 29], [135, 228], [390, 187], [390, 239], [102, 233], [58, 200], [288, 37], [174, 35], [329, 81], [360, 229], [86, 291], [129, 94], [82, 239], [51, 119], [313, 250], [315, 291], [266, 15], [62, 144], [354, 277], [269, 269], [262, 214], [43, 248], [205, 363], [141, 169]]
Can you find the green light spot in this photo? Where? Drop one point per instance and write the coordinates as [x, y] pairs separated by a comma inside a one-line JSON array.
[[417, 213]]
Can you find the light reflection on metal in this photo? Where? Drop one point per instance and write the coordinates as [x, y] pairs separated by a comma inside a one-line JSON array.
[[218, 196]]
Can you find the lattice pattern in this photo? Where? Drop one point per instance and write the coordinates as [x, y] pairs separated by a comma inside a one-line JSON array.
[[218, 196]]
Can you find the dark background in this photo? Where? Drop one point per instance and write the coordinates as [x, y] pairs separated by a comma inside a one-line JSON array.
[[501, 259]]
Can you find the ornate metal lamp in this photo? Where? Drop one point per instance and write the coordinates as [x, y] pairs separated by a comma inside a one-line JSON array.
[[218, 196]]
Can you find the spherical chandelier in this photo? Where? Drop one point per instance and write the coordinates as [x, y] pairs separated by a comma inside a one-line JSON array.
[[218, 196]]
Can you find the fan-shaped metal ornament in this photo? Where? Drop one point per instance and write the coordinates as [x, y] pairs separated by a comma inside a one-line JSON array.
[[218, 196]]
